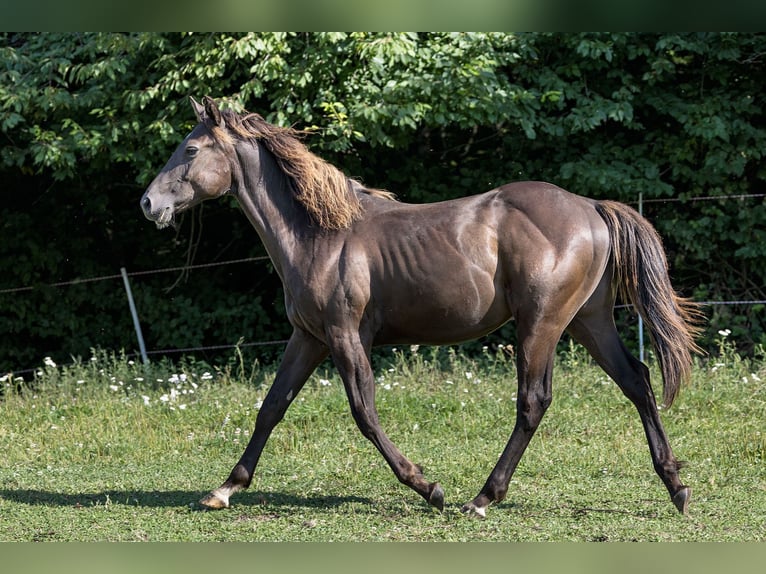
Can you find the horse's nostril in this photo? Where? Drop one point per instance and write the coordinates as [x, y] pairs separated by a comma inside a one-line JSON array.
[[146, 203]]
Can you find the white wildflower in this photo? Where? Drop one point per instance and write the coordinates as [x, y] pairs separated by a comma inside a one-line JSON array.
[[716, 367], [147, 400], [324, 382], [724, 332]]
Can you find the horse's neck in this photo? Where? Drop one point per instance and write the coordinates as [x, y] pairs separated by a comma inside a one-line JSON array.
[[265, 197]]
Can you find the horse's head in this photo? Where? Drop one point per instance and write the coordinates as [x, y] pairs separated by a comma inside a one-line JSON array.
[[199, 169]]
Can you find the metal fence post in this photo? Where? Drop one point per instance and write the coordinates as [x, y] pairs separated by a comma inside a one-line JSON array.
[[134, 314]]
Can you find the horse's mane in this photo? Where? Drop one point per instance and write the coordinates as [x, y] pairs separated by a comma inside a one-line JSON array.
[[326, 193]]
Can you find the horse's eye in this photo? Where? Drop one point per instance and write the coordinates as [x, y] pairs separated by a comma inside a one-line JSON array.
[[191, 151]]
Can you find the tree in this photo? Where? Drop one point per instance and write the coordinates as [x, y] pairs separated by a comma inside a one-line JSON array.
[[86, 120]]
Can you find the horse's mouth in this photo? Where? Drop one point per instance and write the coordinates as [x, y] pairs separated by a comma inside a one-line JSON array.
[[165, 218]]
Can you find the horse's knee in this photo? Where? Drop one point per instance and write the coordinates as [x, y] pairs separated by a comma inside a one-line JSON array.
[[271, 412], [530, 410]]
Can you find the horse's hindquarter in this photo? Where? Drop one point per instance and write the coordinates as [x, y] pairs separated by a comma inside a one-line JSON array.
[[452, 271]]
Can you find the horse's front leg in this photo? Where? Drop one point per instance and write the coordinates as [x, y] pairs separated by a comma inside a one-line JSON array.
[[352, 360], [302, 355]]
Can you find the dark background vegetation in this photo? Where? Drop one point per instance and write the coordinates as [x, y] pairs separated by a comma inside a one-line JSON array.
[[86, 120]]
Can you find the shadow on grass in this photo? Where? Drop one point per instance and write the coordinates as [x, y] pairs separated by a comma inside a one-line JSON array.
[[276, 502], [171, 498]]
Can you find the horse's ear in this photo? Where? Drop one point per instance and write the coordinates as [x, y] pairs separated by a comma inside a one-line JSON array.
[[212, 111], [199, 109]]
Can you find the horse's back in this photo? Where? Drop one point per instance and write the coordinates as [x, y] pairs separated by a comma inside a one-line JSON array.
[[455, 270]]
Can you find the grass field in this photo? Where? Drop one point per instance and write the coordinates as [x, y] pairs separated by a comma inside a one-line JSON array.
[[109, 450]]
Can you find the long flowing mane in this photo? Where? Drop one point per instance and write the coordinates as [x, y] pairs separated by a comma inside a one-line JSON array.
[[326, 193]]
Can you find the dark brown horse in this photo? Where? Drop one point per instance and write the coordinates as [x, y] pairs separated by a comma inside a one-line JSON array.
[[360, 269]]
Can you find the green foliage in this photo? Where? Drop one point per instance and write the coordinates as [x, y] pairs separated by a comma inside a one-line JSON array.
[[86, 120]]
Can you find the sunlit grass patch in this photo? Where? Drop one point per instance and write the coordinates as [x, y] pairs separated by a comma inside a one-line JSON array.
[[111, 449]]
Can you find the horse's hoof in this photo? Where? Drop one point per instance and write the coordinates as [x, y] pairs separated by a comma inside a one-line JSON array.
[[681, 499], [436, 498], [472, 510], [214, 501]]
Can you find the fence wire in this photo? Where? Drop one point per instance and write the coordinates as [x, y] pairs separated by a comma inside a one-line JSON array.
[[133, 274]]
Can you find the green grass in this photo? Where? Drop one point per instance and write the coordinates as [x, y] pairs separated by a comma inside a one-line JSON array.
[[109, 450]]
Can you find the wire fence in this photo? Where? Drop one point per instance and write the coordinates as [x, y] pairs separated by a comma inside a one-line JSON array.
[[219, 347], [134, 274]]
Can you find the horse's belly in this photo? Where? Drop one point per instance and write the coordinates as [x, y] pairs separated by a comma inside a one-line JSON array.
[[437, 318]]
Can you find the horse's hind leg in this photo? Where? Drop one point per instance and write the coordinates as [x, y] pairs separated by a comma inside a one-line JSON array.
[[594, 328], [535, 369]]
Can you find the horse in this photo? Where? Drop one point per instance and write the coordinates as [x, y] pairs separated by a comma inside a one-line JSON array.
[[360, 269]]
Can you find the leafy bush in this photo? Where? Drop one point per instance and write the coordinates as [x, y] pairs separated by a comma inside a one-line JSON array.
[[88, 119]]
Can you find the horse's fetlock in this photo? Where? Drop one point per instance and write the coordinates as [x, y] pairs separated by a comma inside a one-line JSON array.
[[240, 477]]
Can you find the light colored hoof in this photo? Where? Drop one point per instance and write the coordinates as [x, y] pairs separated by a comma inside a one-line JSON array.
[[215, 501], [472, 510]]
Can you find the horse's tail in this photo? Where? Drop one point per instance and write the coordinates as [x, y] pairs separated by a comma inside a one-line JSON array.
[[641, 275]]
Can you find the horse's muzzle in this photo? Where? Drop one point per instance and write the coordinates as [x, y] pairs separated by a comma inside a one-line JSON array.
[[146, 205]]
